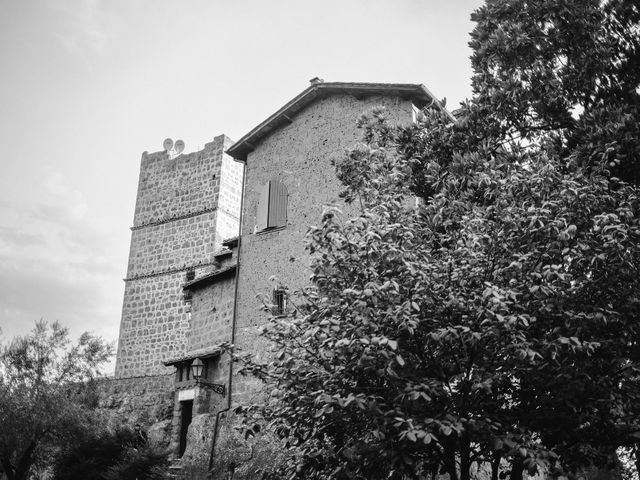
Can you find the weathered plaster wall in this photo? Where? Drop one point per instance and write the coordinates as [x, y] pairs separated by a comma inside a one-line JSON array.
[[175, 229], [299, 154], [228, 221]]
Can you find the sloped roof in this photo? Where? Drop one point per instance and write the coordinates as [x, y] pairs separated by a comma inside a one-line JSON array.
[[417, 93], [230, 242], [209, 278], [207, 352]]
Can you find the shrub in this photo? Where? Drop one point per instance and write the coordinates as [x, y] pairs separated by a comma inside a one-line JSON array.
[[111, 455]]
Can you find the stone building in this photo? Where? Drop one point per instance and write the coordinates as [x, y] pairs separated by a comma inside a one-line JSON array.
[[195, 279], [186, 205]]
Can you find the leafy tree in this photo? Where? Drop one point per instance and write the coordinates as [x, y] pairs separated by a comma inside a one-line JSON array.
[[629, 465], [563, 69], [41, 400], [496, 321], [494, 325]]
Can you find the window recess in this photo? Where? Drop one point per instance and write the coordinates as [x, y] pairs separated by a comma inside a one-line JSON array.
[[279, 301], [272, 206]]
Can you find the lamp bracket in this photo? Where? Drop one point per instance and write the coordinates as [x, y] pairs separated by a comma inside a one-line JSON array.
[[216, 387]]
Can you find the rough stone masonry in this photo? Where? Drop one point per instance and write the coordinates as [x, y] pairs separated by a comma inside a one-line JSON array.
[[185, 207]]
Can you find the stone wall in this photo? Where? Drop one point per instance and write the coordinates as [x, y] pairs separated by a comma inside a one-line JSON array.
[[178, 226], [146, 400], [177, 244], [241, 458], [212, 300], [175, 187], [154, 323], [211, 314], [206, 404]]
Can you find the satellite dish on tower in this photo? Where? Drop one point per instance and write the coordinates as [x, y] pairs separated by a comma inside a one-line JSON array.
[[179, 147], [167, 144]]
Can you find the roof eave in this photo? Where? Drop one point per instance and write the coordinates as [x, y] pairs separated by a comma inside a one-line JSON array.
[[208, 279], [418, 93], [203, 354]]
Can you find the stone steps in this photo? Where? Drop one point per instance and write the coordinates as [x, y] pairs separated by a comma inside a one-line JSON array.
[[175, 468]]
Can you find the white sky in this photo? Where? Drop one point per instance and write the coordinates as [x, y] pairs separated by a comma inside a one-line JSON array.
[[87, 85]]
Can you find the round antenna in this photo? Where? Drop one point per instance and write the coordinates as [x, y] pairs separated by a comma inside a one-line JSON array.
[[167, 144], [179, 146]]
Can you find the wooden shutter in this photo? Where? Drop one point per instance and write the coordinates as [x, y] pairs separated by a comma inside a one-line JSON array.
[[263, 208], [278, 197]]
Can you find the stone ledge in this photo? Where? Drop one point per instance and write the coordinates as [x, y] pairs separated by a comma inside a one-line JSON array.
[[173, 219]]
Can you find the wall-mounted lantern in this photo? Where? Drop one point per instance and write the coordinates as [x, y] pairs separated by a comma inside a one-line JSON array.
[[197, 371]]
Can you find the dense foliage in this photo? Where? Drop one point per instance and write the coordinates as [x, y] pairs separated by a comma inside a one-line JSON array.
[[566, 70], [494, 323], [106, 455], [42, 404]]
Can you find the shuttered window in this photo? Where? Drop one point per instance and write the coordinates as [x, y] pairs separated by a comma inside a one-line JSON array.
[[272, 206]]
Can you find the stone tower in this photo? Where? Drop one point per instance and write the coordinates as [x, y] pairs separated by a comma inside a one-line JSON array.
[[186, 206]]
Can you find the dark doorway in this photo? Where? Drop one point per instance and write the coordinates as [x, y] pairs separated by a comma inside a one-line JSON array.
[[185, 421]]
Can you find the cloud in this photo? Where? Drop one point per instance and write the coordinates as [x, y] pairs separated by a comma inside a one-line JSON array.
[[84, 25], [54, 263], [11, 237]]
